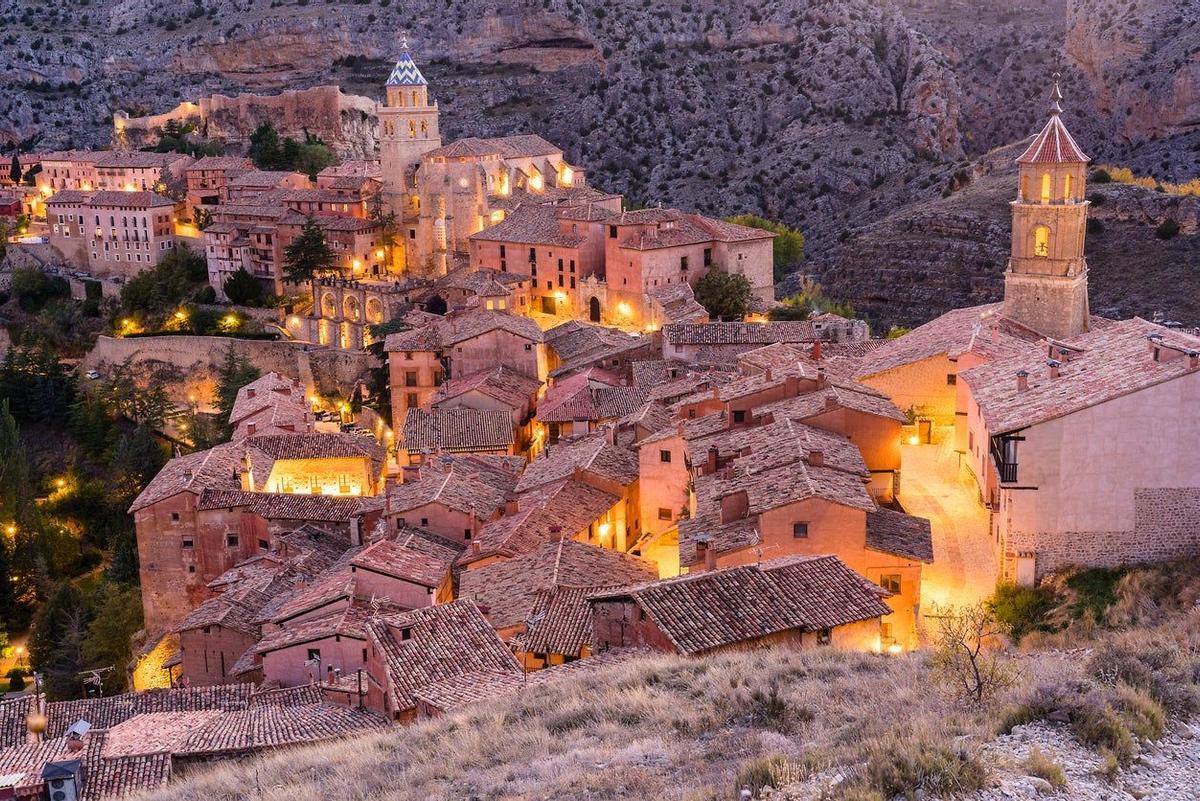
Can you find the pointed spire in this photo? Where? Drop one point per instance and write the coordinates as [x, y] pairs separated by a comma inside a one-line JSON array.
[[405, 73], [1056, 98]]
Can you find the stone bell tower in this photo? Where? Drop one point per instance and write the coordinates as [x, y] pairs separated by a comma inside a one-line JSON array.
[[408, 128], [1045, 286]]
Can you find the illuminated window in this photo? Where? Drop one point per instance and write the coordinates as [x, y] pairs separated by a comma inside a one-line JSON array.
[[1067, 188], [1046, 187], [890, 582], [1041, 241]]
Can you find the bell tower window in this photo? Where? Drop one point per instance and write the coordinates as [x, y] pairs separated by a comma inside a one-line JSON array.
[[1067, 188], [412, 129], [1046, 187], [1041, 241]]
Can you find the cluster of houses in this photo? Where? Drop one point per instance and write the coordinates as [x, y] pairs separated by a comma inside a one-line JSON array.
[[551, 498]]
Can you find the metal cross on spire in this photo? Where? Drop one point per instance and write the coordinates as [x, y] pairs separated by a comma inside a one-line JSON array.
[[403, 41], [1056, 97]]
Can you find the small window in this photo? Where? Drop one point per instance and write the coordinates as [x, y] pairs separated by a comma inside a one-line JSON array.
[[466, 533], [424, 521], [263, 545], [175, 516], [528, 346], [188, 542], [410, 378], [890, 582], [406, 634], [411, 400], [664, 457], [739, 417], [314, 654], [364, 654], [664, 513], [824, 636], [951, 379], [232, 540], [191, 568], [800, 530], [612, 232]]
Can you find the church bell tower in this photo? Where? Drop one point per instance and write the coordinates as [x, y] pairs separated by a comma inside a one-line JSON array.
[[1045, 285], [408, 128]]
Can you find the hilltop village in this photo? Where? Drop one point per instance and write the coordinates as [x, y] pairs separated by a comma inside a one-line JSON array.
[[580, 465]]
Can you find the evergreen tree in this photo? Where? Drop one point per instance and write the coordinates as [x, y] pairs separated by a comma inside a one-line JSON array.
[[92, 423], [243, 289], [264, 147], [726, 296], [235, 372], [14, 172], [137, 458], [787, 247], [56, 640], [10, 612], [308, 254]]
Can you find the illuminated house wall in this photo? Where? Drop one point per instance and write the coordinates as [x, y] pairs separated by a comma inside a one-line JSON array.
[[332, 476]]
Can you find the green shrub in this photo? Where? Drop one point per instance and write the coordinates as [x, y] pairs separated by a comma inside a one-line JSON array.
[[16, 680], [1095, 591], [1085, 707], [1144, 716], [1167, 229], [1021, 610], [1101, 177], [911, 766]]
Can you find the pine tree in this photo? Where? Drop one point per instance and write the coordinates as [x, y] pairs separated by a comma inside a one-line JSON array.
[[235, 372], [243, 289], [14, 172], [308, 254], [264, 147], [56, 638]]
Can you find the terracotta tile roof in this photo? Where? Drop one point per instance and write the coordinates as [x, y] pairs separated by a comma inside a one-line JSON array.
[[529, 224], [1053, 145], [701, 612], [515, 390], [652, 416], [738, 333], [276, 726], [900, 534], [509, 588], [126, 200], [466, 485], [12, 720], [317, 446], [221, 163], [458, 328], [137, 159], [282, 506], [592, 453], [347, 621], [517, 146], [674, 390], [353, 168], [545, 514], [119, 777], [393, 559], [848, 395], [155, 732], [237, 613], [678, 303], [288, 696], [776, 356], [674, 228], [458, 429], [430, 645], [21, 766], [430, 544], [267, 390], [104, 713], [329, 588], [262, 179], [1098, 366], [579, 345], [825, 591], [562, 621], [975, 329]]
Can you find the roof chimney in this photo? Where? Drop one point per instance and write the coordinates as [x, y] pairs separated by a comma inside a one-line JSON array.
[[511, 506], [1055, 367], [821, 382], [710, 465], [816, 351], [249, 392], [1022, 381], [816, 458], [768, 374], [705, 552], [831, 402]]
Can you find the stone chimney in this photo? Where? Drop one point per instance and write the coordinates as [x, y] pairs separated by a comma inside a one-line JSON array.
[[1055, 367], [705, 553], [511, 506], [816, 351], [821, 381], [816, 458], [791, 386], [769, 375], [1022, 381], [831, 402], [710, 464], [250, 392]]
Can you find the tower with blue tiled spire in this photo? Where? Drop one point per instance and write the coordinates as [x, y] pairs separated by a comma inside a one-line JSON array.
[[408, 128]]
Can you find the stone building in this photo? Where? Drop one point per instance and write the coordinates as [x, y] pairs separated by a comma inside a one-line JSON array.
[[112, 170], [111, 233]]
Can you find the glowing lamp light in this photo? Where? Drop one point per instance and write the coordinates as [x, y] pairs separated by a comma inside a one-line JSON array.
[[568, 176], [536, 183], [914, 440], [10, 530], [357, 264], [498, 216], [181, 315], [560, 296], [60, 482], [379, 253], [623, 308], [895, 649]]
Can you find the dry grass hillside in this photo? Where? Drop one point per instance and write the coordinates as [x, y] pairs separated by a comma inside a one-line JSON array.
[[1086, 716]]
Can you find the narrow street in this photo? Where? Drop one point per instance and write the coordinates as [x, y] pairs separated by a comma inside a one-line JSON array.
[[964, 567]]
